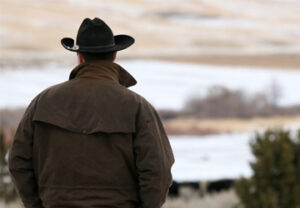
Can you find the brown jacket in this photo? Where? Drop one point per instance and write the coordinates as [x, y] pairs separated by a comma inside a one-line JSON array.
[[91, 142]]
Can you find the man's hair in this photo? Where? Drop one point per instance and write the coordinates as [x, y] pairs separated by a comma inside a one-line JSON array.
[[108, 56]]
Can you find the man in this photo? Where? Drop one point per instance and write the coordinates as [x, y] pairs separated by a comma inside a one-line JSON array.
[[89, 141]]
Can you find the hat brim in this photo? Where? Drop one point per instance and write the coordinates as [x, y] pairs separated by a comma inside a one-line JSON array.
[[121, 42]]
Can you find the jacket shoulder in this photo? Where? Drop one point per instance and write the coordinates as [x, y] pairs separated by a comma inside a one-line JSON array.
[[89, 106]]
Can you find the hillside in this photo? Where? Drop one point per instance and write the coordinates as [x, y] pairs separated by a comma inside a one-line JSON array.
[[190, 30]]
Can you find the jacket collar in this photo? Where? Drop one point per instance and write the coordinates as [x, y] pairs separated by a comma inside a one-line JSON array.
[[103, 70]]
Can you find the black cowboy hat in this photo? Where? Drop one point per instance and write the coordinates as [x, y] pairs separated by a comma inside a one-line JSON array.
[[95, 36]]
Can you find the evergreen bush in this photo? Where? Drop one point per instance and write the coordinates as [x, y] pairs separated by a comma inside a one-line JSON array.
[[7, 191], [276, 172]]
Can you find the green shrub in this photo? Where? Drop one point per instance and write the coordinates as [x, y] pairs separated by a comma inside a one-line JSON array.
[[276, 172], [7, 191]]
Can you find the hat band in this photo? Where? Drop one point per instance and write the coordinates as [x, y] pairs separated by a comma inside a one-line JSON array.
[[97, 47]]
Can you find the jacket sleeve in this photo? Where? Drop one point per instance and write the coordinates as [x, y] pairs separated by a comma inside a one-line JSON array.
[[20, 160], [154, 158]]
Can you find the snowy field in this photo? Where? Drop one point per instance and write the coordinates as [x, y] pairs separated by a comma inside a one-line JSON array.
[[214, 157], [165, 84], [205, 158], [168, 85]]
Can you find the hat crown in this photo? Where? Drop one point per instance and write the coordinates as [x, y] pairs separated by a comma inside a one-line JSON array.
[[95, 36], [94, 33]]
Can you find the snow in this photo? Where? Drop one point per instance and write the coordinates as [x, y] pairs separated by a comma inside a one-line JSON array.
[[215, 157], [19, 86], [168, 85], [164, 84], [205, 158]]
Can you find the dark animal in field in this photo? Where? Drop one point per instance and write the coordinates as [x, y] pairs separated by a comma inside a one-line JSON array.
[[203, 188], [219, 185], [174, 190]]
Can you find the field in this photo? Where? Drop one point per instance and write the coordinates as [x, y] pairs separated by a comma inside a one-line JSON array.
[[191, 200], [167, 85], [182, 49], [235, 32], [193, 126]]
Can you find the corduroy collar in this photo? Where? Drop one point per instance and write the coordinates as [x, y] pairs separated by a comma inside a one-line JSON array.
[[103, 70]]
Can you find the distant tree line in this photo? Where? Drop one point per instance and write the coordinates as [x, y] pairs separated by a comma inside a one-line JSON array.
[[221, 102]]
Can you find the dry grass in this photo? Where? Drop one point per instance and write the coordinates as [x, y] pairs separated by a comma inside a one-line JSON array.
[[264, 61], [189, 200], [222, 200], [207, 126], [185, 126]]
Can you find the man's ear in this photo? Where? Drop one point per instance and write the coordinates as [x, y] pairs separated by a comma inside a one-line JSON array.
[[80, 58], [115, 56]]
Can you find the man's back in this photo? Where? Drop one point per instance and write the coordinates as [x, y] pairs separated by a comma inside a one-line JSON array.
[[91, 142]]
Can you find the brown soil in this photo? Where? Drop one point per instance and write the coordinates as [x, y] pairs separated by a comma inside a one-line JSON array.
[[263, 61]]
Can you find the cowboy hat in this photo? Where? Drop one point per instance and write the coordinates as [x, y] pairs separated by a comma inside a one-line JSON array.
[[95, 36]]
